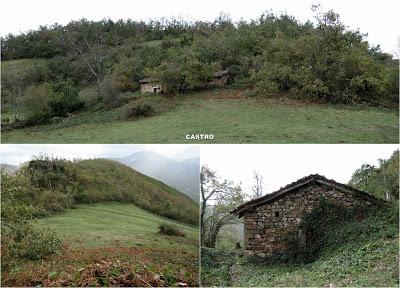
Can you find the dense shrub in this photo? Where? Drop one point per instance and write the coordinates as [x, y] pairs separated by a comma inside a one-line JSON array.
[[171, 230], [36, 103], [33, 242], [65, 98], [21, 237], [47, 100], [139, 110]]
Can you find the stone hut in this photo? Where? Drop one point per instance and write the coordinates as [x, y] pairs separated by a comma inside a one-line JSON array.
[[220, 78], [268, 220], [149, 85]]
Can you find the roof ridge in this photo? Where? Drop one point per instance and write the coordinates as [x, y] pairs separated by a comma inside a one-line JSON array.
[[292, 185]]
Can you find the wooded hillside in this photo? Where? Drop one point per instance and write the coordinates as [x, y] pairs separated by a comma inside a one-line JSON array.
[[321, 60]]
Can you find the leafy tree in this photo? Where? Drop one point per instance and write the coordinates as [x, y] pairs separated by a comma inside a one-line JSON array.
[[89, 42], [381, 180], [218, 199], [181, 70]]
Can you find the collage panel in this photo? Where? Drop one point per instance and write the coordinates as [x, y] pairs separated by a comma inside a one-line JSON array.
[[200, 72], [199, 143], [100, 215], [299, 216]]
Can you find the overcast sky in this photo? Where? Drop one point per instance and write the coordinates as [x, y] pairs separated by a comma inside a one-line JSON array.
[[282, 164], [17, 154], [379, 19]]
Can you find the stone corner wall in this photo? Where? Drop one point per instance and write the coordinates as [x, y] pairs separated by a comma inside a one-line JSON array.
[[266, 229]]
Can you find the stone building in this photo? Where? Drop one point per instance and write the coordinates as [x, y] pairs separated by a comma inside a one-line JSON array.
[[268, 220], [148, 85], [220, 78]]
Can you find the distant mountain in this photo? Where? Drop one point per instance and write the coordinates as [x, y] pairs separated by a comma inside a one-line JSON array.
[[8, 168], [182, 175]]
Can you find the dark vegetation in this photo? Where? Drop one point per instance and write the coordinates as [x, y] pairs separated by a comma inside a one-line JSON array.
[[322, 61], [167, 229]]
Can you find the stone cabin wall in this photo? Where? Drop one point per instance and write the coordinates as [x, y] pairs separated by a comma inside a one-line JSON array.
[[266, 229], [149, 88]]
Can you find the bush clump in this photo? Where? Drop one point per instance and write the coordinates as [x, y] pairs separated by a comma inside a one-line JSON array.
[[171, 230], [140, 110], [34, 242], [22, 237], [45, 101]]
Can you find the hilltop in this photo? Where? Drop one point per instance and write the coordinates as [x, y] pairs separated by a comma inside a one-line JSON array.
[[62, 184]]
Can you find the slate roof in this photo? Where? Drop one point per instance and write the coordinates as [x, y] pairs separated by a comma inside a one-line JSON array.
[[145, 80], [292, 187], [221, 73]]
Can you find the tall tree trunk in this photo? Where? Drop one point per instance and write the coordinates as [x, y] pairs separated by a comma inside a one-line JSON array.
[[98, 87]]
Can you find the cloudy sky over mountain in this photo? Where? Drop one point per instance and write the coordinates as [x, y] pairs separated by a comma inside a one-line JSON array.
[[16, 154], [379, 19]]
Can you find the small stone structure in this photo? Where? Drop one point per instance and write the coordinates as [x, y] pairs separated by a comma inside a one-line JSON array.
[[148, 85], [220, 78], [270, 219]]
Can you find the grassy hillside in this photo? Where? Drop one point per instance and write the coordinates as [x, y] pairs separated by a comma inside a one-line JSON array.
[[227, 114], [61, 184], [105, 180], [81, 227], [112, 244], [362, 253]]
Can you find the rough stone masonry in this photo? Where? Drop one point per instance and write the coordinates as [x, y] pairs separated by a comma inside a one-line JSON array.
[[270, 219]]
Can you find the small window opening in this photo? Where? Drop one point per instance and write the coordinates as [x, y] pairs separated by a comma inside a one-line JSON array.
[[276, 214]]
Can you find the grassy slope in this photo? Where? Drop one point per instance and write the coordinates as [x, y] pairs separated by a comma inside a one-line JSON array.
[[231, 117], [107, 180], [364, 253], [105, 241], [99, 225]]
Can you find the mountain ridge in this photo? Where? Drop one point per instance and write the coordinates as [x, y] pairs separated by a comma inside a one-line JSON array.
[[182, 175]]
